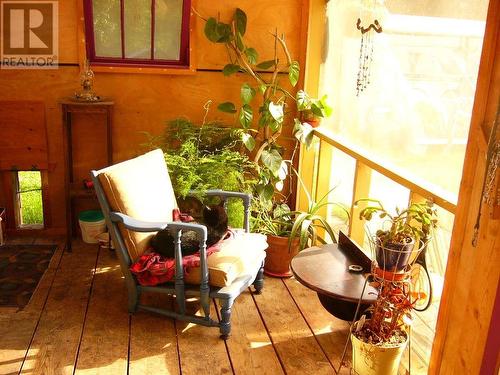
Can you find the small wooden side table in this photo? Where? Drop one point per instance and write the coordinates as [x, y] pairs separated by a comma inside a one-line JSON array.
[[325, 270], [75, 190]]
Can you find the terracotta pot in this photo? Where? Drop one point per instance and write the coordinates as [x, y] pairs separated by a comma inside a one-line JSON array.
[[279, 256], [314, 122]]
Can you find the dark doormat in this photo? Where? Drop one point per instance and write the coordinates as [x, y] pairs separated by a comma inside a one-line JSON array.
[[21, 268]]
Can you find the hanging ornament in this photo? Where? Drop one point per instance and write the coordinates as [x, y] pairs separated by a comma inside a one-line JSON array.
[[365, 54]]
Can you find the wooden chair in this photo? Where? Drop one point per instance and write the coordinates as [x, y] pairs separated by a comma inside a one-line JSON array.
[[137, 199]]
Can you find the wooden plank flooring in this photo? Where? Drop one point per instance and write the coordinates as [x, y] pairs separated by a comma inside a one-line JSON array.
[[77, 323]]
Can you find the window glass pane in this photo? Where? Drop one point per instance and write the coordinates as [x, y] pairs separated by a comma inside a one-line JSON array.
[[107, 31], [392, 196], [421, 74], [30, 197], [138, 29], [168, 29]]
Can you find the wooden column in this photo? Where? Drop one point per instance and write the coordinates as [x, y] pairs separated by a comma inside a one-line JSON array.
[[473, 272]]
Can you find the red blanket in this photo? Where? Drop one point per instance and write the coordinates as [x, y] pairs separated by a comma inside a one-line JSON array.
[[153, 269]]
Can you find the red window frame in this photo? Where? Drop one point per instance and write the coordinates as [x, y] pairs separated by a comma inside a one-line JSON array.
[[181, 63]]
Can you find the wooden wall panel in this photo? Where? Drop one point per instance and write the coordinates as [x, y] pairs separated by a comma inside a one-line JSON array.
[[23, 120], [144, 102], [472, 273], [264, 17]]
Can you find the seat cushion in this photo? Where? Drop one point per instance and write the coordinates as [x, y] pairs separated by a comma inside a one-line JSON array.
[[240, 255], [140, 188]]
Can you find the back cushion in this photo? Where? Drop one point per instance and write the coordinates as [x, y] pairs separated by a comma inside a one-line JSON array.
[[139, 188]]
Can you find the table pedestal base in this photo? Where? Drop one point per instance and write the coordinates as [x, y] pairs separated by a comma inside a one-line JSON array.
[[340, 309]]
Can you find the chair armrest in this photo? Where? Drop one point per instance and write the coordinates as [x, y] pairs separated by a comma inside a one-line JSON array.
[[245, 197], [149, 226]]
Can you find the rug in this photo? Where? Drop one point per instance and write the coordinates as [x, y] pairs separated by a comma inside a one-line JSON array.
[[21, 268]]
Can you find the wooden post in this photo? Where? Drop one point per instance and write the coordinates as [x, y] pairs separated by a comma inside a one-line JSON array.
[[361, 189]]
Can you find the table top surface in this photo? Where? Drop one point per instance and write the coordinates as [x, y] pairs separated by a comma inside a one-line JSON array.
[[325, 270]]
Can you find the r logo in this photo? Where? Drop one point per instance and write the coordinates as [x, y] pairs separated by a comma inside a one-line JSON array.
[[29, 33]]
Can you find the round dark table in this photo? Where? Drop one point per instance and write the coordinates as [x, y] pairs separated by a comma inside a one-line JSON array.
[[325, 270]]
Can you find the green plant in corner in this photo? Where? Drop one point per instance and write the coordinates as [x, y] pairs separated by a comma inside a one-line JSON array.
[[301, 224], [262, 130], [205, 157]]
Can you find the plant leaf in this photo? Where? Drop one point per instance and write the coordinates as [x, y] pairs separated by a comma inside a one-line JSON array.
[[303, 100], [283, 171], [293, 72], [266, 64], [265, 192], [239, 42], [230, 69], [227, 107], [246, 116], [276, 110], [240, 19], [304, 133], [248, 141], [224, 32], [211, 30], [247, 93], [252, 55], [272, 160]]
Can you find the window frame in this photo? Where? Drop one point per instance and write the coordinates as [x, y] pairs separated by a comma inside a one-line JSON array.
[[183, 63]]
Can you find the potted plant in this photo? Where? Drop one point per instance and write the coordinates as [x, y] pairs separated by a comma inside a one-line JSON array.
[[378, 342], [203, 157], [408, 231], [312, 110], [289, 232]]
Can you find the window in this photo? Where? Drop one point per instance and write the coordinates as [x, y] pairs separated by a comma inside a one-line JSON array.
[[139, 33], [29, 207], [415, 112]]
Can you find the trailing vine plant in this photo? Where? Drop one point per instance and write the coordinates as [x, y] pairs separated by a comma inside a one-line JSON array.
[[261, 130]]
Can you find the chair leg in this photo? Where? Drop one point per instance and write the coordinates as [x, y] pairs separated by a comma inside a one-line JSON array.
[[133, 299], [259, 280], [225, 314]]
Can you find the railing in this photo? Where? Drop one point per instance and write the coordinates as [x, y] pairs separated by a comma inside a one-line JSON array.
[[320, 159]]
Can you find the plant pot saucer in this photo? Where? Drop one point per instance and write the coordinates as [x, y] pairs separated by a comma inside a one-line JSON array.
[[278, 274]]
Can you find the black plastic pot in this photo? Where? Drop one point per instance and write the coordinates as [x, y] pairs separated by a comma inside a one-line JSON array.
[[393, 257]]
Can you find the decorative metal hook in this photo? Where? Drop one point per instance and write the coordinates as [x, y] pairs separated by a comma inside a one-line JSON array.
[[375, 26]]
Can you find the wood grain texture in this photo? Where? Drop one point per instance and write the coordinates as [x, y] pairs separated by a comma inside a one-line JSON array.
[[250, 347], [17, 328], [297, 348], [104, 343], [472, 273], [330, 332], [54, 346], [23, 120], [202, 351], [153, 341]]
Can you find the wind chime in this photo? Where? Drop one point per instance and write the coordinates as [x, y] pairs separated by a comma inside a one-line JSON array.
[[365, 54]]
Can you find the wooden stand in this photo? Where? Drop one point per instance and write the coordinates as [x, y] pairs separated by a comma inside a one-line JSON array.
[[74, 189]]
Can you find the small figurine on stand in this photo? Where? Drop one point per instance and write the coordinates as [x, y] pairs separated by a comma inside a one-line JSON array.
[[87, 81]]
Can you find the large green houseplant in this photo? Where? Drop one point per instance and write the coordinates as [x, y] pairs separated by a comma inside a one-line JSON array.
[[203, 157], [265, 90], [278, 107]]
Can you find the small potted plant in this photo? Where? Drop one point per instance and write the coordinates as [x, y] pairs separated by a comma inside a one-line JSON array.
[[379, 342], [407, 233], [289, 232], [312, 110]]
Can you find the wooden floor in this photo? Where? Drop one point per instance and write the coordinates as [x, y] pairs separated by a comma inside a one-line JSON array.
[[77, 322]]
